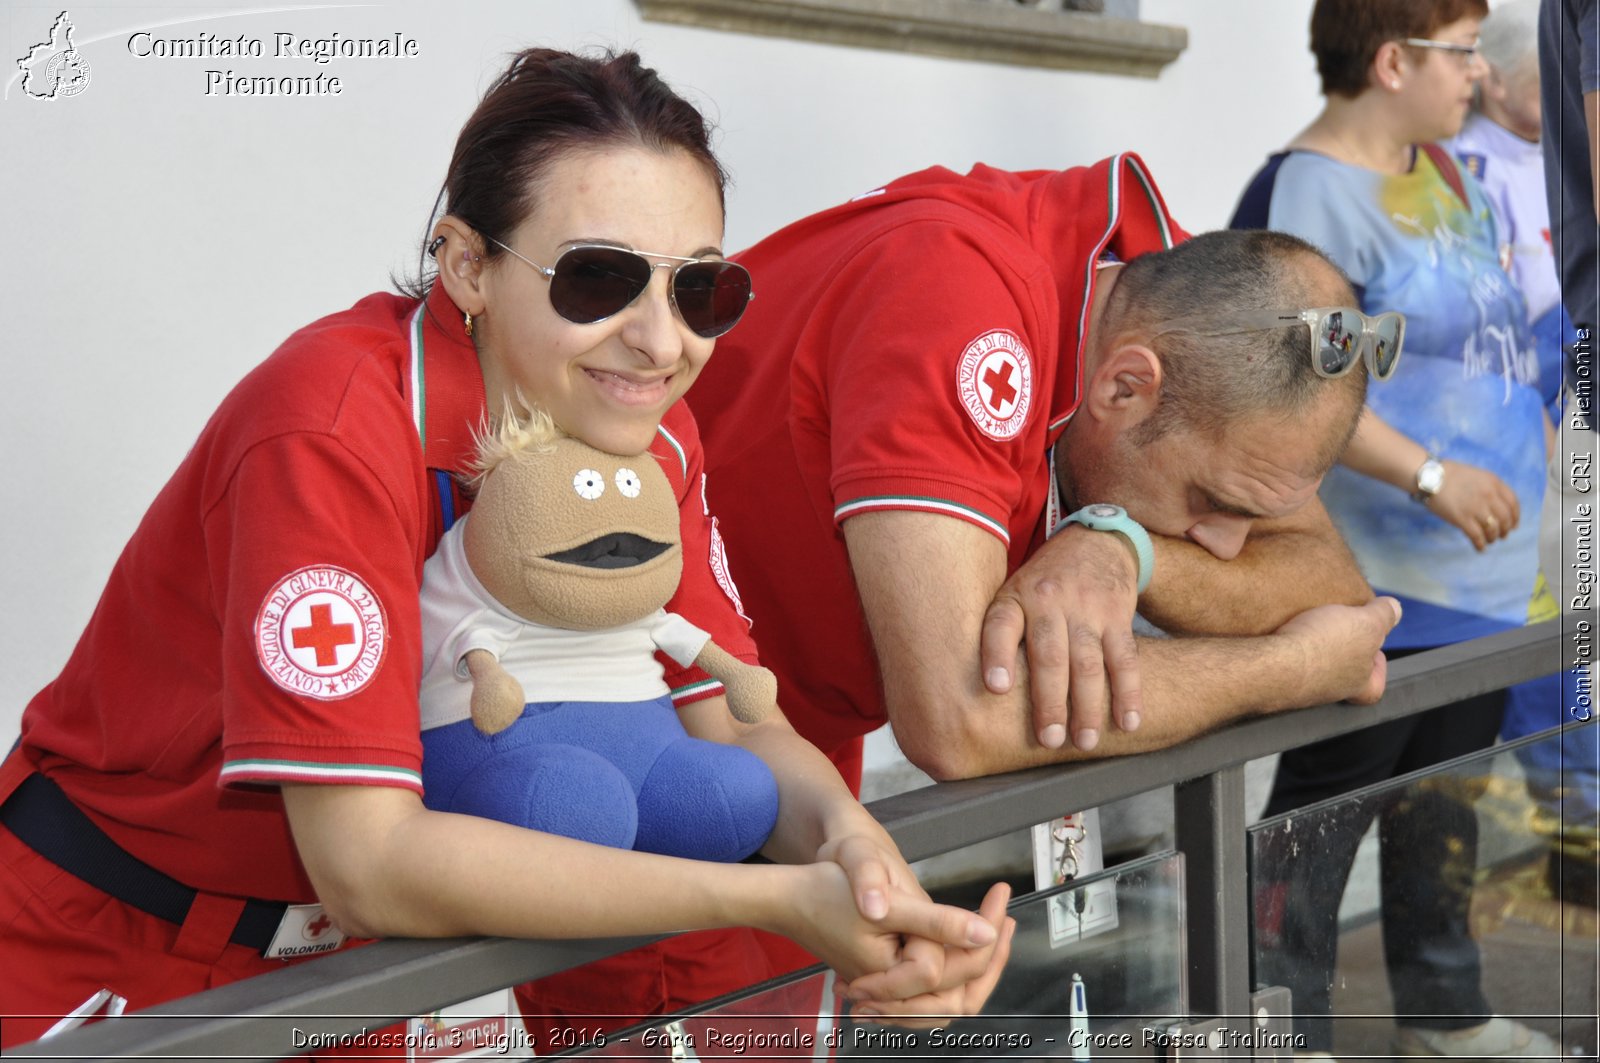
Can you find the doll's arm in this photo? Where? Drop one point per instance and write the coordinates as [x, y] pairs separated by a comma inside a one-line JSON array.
[[497, 698], [752, 690]]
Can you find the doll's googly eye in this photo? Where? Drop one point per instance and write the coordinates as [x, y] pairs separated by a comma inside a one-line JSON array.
[[589, 484], [628, 483]]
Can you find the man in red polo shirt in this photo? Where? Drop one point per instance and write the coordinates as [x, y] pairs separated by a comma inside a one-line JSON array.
[[946, 371]]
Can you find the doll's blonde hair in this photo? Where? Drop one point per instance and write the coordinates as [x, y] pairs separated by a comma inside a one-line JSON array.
[[511, 434]]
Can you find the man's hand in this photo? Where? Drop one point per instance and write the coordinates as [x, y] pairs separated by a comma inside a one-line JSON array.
[[1071, 605], [1341, 647], [926, 583], [1478, 502]]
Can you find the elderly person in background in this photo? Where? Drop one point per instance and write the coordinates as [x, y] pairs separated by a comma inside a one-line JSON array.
[[1429, 496], [1499, 144]]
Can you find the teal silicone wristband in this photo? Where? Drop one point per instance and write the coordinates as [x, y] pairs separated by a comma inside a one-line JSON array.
[[1103, 516]]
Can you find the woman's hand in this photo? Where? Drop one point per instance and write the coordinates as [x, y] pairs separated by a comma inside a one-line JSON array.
[[965, 980], [876, 871], [1473, 499], [1476, 501], [931, 977], [820, 913]]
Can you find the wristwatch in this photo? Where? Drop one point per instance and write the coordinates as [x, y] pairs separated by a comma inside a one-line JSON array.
[[1103, 516], [1430, 479]]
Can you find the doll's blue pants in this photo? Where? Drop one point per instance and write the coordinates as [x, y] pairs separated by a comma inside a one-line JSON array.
[[623, 774]]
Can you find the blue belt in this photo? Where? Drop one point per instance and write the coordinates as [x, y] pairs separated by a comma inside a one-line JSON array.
[[45, 820]]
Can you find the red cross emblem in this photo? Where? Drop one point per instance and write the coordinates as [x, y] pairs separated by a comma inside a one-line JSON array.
[[324, 636], [994, 381], [1001, 393], [321, 632], [318, 926]]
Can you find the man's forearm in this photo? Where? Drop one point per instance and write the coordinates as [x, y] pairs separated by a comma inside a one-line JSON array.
[[1186, 695], [925, 584], [1278, 575]]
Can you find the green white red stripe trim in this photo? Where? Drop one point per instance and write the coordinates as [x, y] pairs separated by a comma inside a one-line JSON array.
[[257, 769], [1113, 219], [419, 388], [927, 505], [683, 459], [705, 688]]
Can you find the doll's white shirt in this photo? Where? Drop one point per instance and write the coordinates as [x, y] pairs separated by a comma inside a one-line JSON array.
[[552, 664]]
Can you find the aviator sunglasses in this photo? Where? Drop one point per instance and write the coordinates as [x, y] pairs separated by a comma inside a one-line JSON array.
[[591, 282], [1339, 335]]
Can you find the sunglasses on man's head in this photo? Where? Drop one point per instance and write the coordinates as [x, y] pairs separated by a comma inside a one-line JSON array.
[[1340, 335], [591, 282]]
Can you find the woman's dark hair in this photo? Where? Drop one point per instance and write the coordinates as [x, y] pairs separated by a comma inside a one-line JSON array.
[[545, 104], [1346, 34]]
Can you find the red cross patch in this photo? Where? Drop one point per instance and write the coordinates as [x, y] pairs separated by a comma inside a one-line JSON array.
[[317, 927], [994, 381], [321, 632]]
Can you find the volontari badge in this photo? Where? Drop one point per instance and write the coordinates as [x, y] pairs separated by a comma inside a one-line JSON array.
[[304, 930], [321, 632], [995, 382]]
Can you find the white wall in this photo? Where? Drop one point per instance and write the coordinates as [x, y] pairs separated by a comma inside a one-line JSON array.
[[159, 242]]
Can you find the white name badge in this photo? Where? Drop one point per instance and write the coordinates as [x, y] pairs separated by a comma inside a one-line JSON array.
[[305, 930], [1064, 850]]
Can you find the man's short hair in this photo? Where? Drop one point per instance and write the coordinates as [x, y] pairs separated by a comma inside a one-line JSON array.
[[1211, 382], [1346, 34]]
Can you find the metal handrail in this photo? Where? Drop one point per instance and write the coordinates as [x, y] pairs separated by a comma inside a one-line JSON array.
[[389, 981]]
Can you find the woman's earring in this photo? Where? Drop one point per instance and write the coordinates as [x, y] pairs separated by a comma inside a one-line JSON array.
[[467, 317]]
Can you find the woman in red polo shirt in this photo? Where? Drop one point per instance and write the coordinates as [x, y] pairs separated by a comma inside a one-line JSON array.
[[238, 726]]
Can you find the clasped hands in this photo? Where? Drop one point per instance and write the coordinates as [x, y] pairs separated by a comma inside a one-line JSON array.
[[902, 959]]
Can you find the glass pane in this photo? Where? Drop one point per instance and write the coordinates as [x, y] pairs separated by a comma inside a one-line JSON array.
[[1470, 894], [1126, 944]]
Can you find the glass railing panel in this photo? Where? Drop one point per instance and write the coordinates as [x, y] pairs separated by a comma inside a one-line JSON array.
[[1405, 911], [1120, 932]]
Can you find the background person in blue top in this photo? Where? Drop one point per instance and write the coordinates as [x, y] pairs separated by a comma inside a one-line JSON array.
[[1460, 427]]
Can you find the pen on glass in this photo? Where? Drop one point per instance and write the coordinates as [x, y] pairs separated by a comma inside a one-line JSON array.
[[1078, 1019]]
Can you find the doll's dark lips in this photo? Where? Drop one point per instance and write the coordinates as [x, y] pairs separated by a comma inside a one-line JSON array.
[[616, 550]]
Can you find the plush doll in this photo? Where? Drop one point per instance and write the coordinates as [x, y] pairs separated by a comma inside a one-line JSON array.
[[543, 703]]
